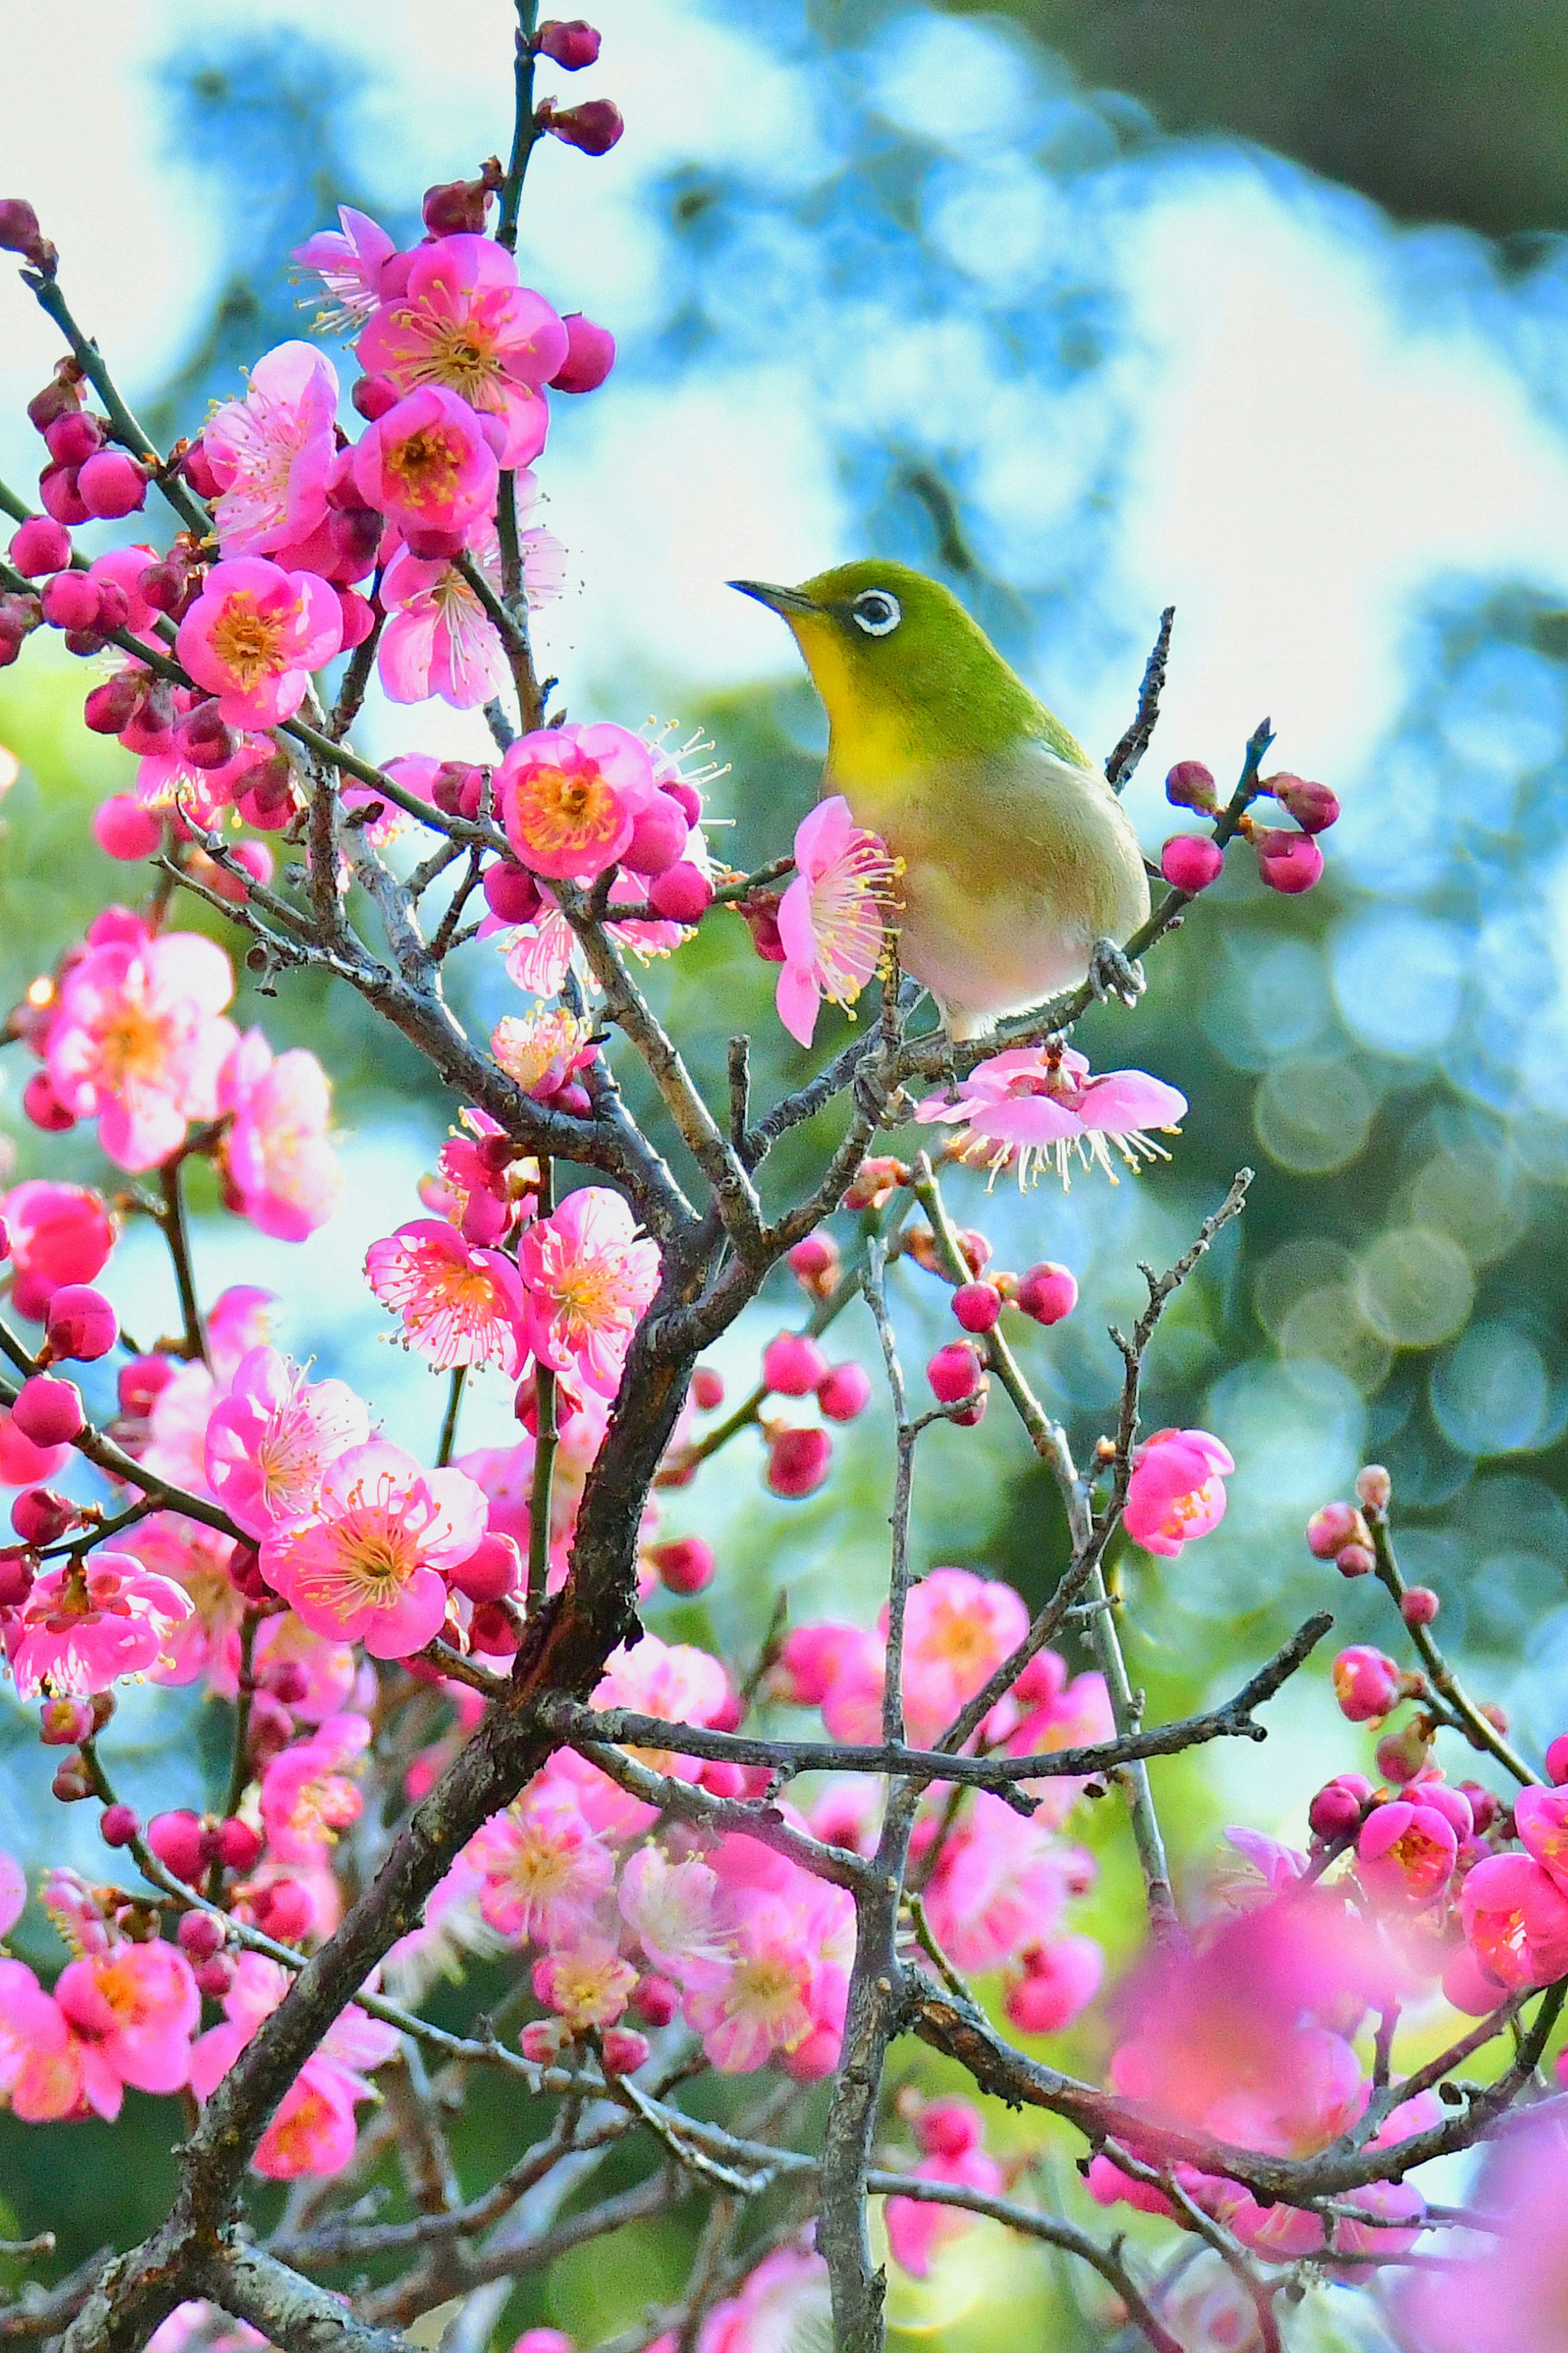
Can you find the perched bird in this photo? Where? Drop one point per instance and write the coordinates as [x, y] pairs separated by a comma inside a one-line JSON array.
[[1021, 869]]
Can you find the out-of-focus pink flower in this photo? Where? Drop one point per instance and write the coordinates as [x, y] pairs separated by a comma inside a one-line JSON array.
[[833, 919], [459, 1306], [272, 451], [138, 1037], [254, 635], [1516, 1921], [466, 324], [439, 637], [1059, 1981], [951, 2132], [1541, 1821], [570, 797], [764, 2004], [1508, 2290], [542, 1868], [670, 1909], [1406, 1853], [1001, 1884], [1367, 1683], [1044, 1107], [783, 2302], [271, 1438], [59, 1233], [367, 1566], [138, 2004], [348, 262], [308, 1796], [426, 465], [587, 1982], [83, 1625], [1176, 1491], [195, 1558], [589, 1275], [277, 1151]]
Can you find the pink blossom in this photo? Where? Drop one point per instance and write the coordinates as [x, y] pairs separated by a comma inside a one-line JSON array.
[[952, 2132], [543, 1870], [1406, 1852], [195, 1558], [138, 2005], [1059, 1979], [459, 1306], [670, 1908], [543, 1050], [255, 634], [58, 1234], [426, 465], [466, 324], [277, 1152], [1366, 1684], [1509, 2290], [589, 1275], [438, 638], [1176, 1491], [272, 451], [833, 918], [764, 2004], [570, 797], [1001, 1884], [45, 2070], [1041, 1107], [308, 1796], [350, 264], [367, 1567], [1516, 1921], [312, 2133], [139, 1039], [86, 1624], [269, 1441], [585, 1981], [784, 2302], [1540, 1822]]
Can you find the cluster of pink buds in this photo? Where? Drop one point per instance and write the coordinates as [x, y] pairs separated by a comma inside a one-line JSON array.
[[1288, 857]]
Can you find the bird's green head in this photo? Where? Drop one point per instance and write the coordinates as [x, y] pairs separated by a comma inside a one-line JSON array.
[[903, 670]]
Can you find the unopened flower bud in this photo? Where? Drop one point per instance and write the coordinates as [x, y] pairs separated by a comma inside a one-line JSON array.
[[1557, 1760], [1336, 1810], [64, 1723], [511, 892], [1374, 1487], [1289, 863], [1047, 1293], [268, 799], [111, 706], [20, 232], [48, 1411], [58, 494], [798, 1461], [283, 1909], [215, 1976], [458, 207], [457, 788], [1484, 1807], [592, 128], [271, 1730], [118, 1825], [1313, 806], [875, 1181], [81, 1324], [40, 1516], [815, 1264], [17, 1572], [844, 1392], [1418, 1605], [72, 439], [491, 1571], [238, 1846], [623, 2050], [1191, 861], [492, 1629], [59, 397], [204, 737], [69, 601], [1191, 786], [569, 43], [1355, 1560], [287, 1681], [168, 585], [44, 1107], [110, 483], [656, 2000], [71, 1782], [1402, 1755], [180, 1843], [707, 1389], [681, 894], [792, 1365], [659, 838], [590, 356], [373, 395], [199, 1935], [685, 1565], [40, 546], [977, 1305], [140, 1382], [954, 1372], [1366, 1684], [1331, 1527]]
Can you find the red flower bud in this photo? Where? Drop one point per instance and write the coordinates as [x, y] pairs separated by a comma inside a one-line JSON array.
[[1190, 861], [569, 43], [659, 838], [590, 356], [1048, 1292], [283, 1909], [977, 1305], [511, 892], [40, 546], [199, 1935], [844, 1393], [48, 1411], [1375, 1486], [681, 894], [110, 483], [492, 1629], [20, 232], [594, 127], [457, 788], [707, 1389], [1336, 1810], [44, 1107], [458, 207], [954, 1372], [81, 1324], [1355, 1560], [59, 397], [792, 1365], [1418, 1605], [1190, 786], [215, 1976], [58, 489], [69, 601], [798, 1461], [118, 1825], [112, 705], [73, 437], [1332, 1527], [491, 1571], [40, 1516], [204, 738], [1289, 862], [373, 395], [180, 1843], [1313, 806], [238, 1846], [16, 1574], [71, 1783], [685, 1565]]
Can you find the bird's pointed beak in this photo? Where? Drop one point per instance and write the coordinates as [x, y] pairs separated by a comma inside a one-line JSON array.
[[787, 601]]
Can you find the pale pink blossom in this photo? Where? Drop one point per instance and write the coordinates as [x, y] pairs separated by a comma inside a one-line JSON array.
[[272, 451], [349, 263], [465, 324], [1507, 2292], [138, 1041], [269, 1441], [195, 1558], [459, 1306], [84, 1625], [833, 919], [307, 1791], [278, 1152], [167, 783], [428, 465], [46, 2071], [764, 2004], [1041, 1107], [438, 638], [254, 635], [543, 1050], [1176, 1492], [542, 1869], [670, 1908], [367, 1567], [585, 1981], [570, 797], [784, 2302], [589, 1275], [1001, 1884]]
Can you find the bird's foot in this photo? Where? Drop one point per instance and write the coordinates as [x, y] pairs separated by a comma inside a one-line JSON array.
[[873, 1100], [1111, 974]]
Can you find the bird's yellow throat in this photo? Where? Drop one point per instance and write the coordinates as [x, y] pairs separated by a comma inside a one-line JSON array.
[[872, 756]]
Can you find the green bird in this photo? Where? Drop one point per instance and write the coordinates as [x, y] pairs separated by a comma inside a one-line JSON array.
[[1021, 869]]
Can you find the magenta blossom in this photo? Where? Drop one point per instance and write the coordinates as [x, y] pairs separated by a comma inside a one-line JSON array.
[[365, 1566], [1041, 1107], [833, 919], [1406, 1853], [349, 263], [307, 1793], [459, 1306], [57, 1234], [589, 1275], [278, 1152], [138, 1040], [270, 1440], [138, 2005], [312, 2133], [466, 325], [570, 797], [254, 635], [438, 638], [1176, 1491], [86, 1624], [272, 451], [428, 465]]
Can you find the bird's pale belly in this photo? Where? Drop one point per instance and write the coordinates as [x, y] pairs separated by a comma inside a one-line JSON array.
[[984, 959]]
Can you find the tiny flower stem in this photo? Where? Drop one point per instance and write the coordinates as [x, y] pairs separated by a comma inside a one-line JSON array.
[[544, 1444], [526, 133], [175, 1233], [450, 1425], [129, 430], [1481, 1733], [239, 1766]]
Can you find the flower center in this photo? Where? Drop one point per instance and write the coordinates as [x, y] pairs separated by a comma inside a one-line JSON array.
[[428, 465], [462, 356], [131, 1046], [248, 644], [556, 810]]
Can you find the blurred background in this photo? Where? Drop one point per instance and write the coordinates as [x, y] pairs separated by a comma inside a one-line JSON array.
[[1264, 314]]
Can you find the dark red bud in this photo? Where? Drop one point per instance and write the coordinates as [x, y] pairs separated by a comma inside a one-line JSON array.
[[568, 42], [20, 232], [592, 128]]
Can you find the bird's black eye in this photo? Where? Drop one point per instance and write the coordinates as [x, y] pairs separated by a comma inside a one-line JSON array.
[[876, 612]]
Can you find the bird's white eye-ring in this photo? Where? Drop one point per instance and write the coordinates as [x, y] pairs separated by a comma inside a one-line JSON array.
[[876, 612]]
